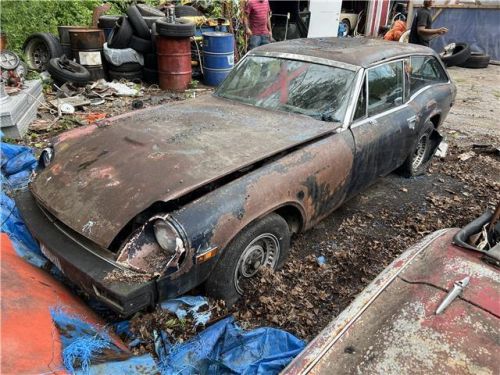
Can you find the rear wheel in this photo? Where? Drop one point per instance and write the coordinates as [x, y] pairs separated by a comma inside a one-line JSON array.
[[417, 162], [264, 243]]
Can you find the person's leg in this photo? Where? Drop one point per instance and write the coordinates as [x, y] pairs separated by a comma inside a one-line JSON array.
[[264, 39], [253, 42]]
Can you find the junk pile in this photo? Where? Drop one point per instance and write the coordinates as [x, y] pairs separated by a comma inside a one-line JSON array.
[[87, 343], [146, 44]]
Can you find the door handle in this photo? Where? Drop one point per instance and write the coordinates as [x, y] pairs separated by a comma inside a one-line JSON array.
[[411, 121]]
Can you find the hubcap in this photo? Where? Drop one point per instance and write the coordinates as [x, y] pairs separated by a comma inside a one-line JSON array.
[[263, 251], [420, 151]]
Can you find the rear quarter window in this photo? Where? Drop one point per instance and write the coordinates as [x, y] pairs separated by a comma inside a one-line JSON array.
[[425, 71]]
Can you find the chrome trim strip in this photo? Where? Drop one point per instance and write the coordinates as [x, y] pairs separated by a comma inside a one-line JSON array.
[[353, 99]]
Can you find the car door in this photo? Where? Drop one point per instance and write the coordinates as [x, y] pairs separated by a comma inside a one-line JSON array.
[[383, 125]]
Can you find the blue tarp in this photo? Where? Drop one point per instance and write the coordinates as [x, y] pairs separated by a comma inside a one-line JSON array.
[[477, 27], [224, 348]]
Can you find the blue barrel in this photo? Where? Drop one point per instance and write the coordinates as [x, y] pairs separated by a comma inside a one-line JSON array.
[[218, 56]]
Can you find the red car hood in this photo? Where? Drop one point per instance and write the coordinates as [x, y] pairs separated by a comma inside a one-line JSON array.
[[103, 176]]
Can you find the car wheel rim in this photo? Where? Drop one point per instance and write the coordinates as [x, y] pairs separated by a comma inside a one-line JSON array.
[[420, 151], [38, 55], [264, 251]]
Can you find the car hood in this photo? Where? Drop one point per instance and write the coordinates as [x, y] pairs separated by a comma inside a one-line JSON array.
[[102, 176]]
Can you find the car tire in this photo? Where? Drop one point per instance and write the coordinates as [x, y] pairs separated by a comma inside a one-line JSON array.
[[151, 61], [150, 75], [149, 11], [141, 45], [129, 76], [126, 67], [267, 238], [476, 61], [186, 11], [121, 34], [39, 49], [421, 155], [76, 73], [460, 54], [150, 21], [107, 21], [180, 29], [138, 24]]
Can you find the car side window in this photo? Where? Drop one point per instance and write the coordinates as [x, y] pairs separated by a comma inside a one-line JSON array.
[[361, 104], [425, 71], [385, 87]]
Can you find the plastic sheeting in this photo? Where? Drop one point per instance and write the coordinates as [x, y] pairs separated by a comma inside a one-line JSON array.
[[18, 162], [224, 348], [477, 27], [89, 350], [185, 305]]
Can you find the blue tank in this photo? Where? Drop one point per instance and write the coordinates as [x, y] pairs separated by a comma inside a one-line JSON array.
[[218, 56]]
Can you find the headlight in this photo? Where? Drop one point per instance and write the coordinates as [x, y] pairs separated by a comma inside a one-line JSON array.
[[167, 236], [46, 157]]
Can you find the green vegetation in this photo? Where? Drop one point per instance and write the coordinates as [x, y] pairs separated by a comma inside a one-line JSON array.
[[20, 18]]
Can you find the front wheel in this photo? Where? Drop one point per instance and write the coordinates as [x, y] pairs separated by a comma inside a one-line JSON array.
[[264, 243], [419, 159]]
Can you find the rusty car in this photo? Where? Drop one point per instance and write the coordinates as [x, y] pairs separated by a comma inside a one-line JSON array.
[[147, 205], [434, 310]]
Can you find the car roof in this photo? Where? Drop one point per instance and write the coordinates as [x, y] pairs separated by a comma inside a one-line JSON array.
[[361, 52]]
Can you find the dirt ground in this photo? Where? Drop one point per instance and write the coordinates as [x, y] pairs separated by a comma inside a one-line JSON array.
[[362, 237]]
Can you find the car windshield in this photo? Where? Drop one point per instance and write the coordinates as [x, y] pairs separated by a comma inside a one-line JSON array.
[[315, 90]]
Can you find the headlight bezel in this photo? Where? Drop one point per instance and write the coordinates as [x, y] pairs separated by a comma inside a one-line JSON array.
[[46, 157]]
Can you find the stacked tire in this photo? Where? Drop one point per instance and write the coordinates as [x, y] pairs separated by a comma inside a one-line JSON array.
[[133, 31], [460, 54]]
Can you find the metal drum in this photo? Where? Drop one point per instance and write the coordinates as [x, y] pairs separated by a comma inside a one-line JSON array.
[[64, 39], [218, 56], [174, 62], [86, 45]]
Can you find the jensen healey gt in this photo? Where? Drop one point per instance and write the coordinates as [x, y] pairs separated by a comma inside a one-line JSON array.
[[145, 206]]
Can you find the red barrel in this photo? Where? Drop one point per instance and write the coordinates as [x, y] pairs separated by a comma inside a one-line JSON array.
[[174, 62]]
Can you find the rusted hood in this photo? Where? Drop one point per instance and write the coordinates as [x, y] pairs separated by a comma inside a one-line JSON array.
[[103, 176]]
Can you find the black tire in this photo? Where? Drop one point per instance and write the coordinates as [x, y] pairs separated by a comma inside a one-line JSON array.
[[126, 67], [151, 61], [222, 281], [121, 34], [140, 27], [476, 61], [186, 11], [63, 70], [460, 54], [421, 155], [141, 45], [149, 11], [129, 76], [107, 21], [150, 75], [180, 29], [39, 49], [150, 21]]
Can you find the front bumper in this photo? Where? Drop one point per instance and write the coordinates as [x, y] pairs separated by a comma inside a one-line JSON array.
[[83, 262]]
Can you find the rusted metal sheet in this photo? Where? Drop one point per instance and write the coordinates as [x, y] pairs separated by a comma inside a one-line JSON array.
[[103, 176], [392, 327], [174, 62], [352, 51]]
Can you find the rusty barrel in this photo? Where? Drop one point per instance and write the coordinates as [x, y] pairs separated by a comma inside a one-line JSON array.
[[174, 62], [86, 46], [64, 38]]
